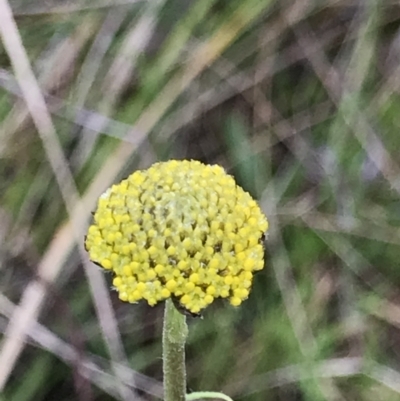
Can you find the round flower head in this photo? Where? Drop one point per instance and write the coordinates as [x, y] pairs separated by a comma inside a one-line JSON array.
[[180, 229]]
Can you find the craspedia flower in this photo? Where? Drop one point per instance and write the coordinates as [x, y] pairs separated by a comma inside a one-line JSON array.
[[180, 229]]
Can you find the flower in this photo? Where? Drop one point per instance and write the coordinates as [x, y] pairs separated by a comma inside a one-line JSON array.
[[180, 229]]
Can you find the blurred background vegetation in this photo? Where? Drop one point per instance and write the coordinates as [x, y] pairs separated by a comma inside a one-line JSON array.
[[299, 100]]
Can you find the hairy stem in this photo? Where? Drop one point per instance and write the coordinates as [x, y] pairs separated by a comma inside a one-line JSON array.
[[174, 337]]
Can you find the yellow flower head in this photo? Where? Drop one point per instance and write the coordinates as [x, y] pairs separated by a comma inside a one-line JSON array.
[[180, 229]]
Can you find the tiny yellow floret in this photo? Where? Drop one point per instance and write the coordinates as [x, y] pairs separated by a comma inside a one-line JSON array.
[[127, 271], [151, 274], [185, 299], [123, 296], [190, 286], [159, 269], [235, 301], [171, 285], [208, 299], [194, 278], [106, 263], [117, 281], [248, 265], [211, 290], [213, 264]]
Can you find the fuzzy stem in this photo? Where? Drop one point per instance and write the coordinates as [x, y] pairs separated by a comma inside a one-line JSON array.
[[174, 337]]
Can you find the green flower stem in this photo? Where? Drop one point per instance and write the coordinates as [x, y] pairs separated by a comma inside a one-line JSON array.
[[175, 332]]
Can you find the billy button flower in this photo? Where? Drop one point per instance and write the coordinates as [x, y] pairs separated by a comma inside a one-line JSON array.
[[180, 229]]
